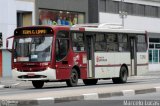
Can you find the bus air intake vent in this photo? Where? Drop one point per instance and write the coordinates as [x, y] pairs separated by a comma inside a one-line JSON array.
[[35, 76]]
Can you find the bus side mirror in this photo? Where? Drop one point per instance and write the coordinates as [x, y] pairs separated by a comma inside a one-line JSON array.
[[7, 43]]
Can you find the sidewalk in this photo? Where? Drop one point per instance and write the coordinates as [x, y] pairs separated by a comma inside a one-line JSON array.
[[148, 75], [9, 82]]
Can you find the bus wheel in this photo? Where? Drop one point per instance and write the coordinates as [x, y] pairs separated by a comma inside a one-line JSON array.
[[38, 84], [90, 81], [122, 77], [73, 79]]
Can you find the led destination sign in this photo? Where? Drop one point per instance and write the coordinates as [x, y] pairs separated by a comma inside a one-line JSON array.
[[33, 31]]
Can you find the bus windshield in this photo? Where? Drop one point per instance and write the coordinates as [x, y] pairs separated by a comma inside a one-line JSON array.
[[33, 49]]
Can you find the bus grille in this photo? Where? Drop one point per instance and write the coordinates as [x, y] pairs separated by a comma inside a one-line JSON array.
[[35, 76]]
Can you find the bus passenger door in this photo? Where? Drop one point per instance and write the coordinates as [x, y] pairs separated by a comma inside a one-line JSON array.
[[90, 55], [62, 49], [133, 56]]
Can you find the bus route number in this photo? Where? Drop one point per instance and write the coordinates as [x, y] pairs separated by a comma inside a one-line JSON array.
[[34, 32]]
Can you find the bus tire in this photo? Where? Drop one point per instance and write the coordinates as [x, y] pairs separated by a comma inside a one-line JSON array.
[[122, 77], [38, 84], [73, 78], [90, 81]]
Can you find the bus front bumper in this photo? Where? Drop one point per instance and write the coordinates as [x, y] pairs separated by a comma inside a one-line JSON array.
[[46, 75]]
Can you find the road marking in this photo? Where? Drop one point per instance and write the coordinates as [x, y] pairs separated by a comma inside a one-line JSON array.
[[46, 98], [157, 89], [128, 92], [91, 96]]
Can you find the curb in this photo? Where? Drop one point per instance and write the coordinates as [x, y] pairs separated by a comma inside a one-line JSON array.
[[90, 96], [96, 96]]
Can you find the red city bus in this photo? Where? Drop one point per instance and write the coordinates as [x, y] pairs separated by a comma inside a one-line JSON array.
[[61, 53]]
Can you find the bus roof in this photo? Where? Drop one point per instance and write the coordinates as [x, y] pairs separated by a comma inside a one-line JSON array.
[[43, 26], [90, 28], [114, 30], [105, 27]]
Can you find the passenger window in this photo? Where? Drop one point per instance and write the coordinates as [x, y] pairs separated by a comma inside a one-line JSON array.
[[112, 44], [141, 43], [100, 43], [78, 41], [62, 46], [123, 42]]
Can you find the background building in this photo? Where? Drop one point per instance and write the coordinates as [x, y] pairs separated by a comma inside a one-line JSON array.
[[138, 14], [14, 13], [141, 15]]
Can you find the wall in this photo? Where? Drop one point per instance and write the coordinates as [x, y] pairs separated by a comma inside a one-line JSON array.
[[0, 63], [146, 2], [6, 64], [93, 11], [7, 20], [132, 22], [8, 23], [26, 6]]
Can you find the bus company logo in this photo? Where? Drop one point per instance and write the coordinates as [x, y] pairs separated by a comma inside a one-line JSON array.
[[142, 56], [75, 59], [100, 59]]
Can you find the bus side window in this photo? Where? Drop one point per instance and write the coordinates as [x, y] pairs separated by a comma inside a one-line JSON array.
[[78, 41], [112, 42], [100, 43], [62, 45], [123, 42], [141, 43]]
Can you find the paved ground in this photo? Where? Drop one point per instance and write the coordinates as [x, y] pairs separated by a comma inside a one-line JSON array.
[[82, 93], [9, 82]]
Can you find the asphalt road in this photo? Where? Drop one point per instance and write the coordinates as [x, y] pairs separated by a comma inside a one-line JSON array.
[[51, 91], [62, 86], [52, 87]]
